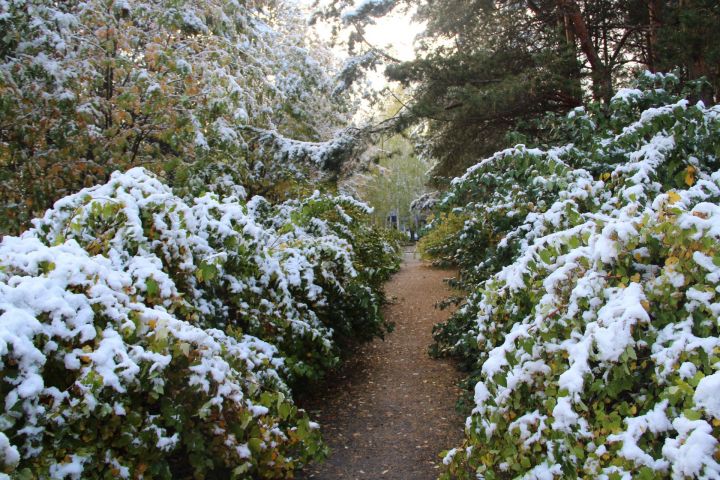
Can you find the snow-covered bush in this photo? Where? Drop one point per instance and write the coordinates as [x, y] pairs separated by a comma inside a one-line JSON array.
[[178, 86], [143, 335], [592, 327], [351, 306]]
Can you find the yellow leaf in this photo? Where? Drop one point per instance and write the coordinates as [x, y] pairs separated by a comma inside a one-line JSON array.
[[635, 278], [605, 176], [670, 261], [645, 304], [673, 197], [690, 175], [152, 323]]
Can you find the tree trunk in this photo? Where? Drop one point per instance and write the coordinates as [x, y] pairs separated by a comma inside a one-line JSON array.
[[601, 73], [566, 47], [652, 35], [698, 68]]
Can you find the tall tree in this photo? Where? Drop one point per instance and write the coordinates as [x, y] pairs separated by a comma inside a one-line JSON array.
[[686, 36], [211, 89], [488, 67], [497, 63]]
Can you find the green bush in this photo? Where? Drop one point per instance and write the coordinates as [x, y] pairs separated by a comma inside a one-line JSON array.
[[591, 330], [354, 309], [439, 239], [193, 90], [141, 335]]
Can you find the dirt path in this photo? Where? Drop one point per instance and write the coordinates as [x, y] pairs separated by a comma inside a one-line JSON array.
[[391, 410]]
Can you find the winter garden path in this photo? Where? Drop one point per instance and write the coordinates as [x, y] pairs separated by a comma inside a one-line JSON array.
[[391, 410]]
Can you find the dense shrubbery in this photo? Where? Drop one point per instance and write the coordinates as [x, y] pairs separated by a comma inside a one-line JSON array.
[[142, 335], [189, 89], [592, 325]]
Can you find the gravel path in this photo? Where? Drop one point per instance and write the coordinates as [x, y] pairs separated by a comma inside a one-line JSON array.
[[391, 410]]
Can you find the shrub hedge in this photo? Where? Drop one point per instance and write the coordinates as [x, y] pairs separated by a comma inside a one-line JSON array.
[[591, 331], [145, 336]]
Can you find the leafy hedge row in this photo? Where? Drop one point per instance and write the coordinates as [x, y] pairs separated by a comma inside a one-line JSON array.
[[592, 327], [145, 336]]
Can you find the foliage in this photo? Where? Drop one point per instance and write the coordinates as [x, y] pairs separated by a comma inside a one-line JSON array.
[[443, 230], [591, 330], [502, 65], [688, 40], [487, 68], [398, 178], [176, 86], [351, 307], [142, 335]]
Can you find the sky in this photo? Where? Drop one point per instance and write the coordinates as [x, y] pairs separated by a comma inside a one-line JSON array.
[[398, 32], [393, 34]]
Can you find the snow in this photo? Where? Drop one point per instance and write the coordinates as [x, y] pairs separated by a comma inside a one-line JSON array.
[[449, 456], [243, 451], [707, 394], [9, 453], [654, 421], [72, 469], [364, 6], [326, 155], [626, 95], [531, 425], [616, 318], [167, 443], [193, 21], [117, 319], [121, 4], [612, 277], [544, 471], [691, 452], [564, 416]]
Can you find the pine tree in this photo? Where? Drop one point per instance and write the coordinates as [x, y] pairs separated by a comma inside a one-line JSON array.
[[487, 68]]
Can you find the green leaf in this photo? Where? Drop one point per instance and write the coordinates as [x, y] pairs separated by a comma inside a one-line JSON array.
[[691, 414], [646, 474], [255, 445], [152, 287], [716, 260], [545, 256], [285, 410], [239, 471], [24, 474]]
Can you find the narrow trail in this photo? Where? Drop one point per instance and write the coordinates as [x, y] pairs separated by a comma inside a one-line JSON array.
[[391, 410]]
